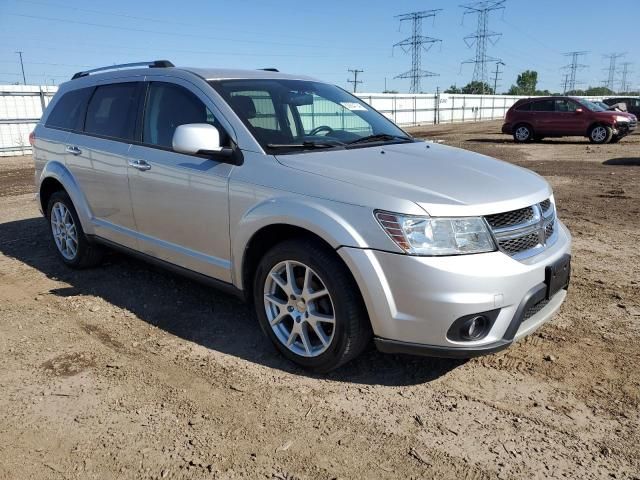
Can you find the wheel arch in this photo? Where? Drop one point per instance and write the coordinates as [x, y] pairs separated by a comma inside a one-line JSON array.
[[276, 220], [55, 176]]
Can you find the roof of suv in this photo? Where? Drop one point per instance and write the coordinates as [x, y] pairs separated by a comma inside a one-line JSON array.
[[231, 73]]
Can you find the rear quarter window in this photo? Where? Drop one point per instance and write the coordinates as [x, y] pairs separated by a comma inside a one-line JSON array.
[[68, 113], [524, 108], [112, 111]]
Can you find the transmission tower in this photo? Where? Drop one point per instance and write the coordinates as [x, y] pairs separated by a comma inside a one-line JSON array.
[[624, 84], [415, 44], [496, 76], [565, 81], [482, 36], [355, 80], [573, 67], [611, 77]]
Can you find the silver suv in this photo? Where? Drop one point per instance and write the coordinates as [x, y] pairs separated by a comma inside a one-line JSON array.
[[333, 222]]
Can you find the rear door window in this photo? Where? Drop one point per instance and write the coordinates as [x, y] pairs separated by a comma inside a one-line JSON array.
[[543, 106], [112, 111], [68, 113]]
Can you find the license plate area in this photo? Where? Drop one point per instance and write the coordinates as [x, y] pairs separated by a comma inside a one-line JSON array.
[[557, 275]]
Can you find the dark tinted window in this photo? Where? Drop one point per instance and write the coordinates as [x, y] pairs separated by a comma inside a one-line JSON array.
[[168, 107], [566, 106], [542, 106], [112, 111], [68, 112], [524, 108]]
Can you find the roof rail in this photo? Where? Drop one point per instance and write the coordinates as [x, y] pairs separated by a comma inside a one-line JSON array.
[[269, 69], [152, 64]]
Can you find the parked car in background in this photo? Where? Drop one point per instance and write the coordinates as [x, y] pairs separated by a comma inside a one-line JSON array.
[[535, 118], [334, 223], [632, 104]]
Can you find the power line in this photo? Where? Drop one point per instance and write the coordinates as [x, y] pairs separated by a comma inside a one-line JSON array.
[[24, 79], [482, 37], [624, 84], [496, 76], [611, 77], [415, 44], [565, 81], [574, 66], [355, 80]]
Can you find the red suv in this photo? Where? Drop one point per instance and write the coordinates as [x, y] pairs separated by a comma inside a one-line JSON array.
[[535, 118]]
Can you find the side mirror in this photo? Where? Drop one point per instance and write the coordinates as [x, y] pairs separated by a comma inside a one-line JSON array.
[[194, 138], [579, 110], [204, 139]]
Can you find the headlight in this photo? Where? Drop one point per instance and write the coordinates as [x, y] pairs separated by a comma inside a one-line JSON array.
[[620, 118], [437, 235]]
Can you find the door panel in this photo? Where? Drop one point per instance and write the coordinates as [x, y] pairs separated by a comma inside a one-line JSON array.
[[101, 171], [181, 209], [180, 202]]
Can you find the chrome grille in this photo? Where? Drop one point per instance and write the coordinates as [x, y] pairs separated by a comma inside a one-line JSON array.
[[520, 244], [524, 232], [514, 217]]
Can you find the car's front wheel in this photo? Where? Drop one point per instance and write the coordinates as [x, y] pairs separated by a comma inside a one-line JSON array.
[[522, 133], [600, 134], [67, 235], [309, 305]]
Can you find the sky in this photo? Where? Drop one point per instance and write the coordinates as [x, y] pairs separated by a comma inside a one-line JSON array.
[[322, 39]]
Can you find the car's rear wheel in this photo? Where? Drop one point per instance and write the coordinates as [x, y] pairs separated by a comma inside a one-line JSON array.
[[522, 133], [310, 307], [600, 134], [67, 235]]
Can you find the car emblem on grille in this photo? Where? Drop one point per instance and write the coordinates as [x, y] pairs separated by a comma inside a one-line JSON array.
[[539, 218]]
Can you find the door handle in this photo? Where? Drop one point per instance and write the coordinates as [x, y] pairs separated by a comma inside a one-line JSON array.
[[72, 149], [140, 165]]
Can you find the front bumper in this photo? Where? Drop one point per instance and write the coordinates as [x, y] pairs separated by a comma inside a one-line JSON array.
[[413, 301]]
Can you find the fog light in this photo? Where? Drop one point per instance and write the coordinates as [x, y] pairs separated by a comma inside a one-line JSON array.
[[474, 327]]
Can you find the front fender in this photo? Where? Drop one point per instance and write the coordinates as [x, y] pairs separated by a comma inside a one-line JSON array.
[[338, 224], [56, 170]]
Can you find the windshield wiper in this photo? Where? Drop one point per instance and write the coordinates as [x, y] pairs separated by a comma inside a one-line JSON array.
[[379, 137], [305, 145]]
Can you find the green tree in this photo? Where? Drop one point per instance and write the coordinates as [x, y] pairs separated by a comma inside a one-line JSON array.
[[453, 89], [477, 88], [525, 83]]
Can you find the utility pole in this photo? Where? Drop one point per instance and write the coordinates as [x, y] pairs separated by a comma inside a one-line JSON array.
[[482, 37], [624, 85], [495, 78], [355, 80], [24, 80], [573, 67], [611, 77], [415, 44]]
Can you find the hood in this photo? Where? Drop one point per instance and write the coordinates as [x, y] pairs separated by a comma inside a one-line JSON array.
[[441, 179]]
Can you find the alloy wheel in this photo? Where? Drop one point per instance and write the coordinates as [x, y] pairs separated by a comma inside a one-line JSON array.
[[598, 134], [64, 231], [299, 308], [522, 133]]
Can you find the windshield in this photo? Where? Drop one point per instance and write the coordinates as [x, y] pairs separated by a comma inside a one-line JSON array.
[[591, 106], [300, 115]]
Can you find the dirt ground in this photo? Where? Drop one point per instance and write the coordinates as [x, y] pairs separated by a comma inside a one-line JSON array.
[[129, 372]]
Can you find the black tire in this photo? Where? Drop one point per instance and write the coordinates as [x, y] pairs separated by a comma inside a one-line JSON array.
[[522, 133], [86, 254], [600, 134], [351, 331]]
